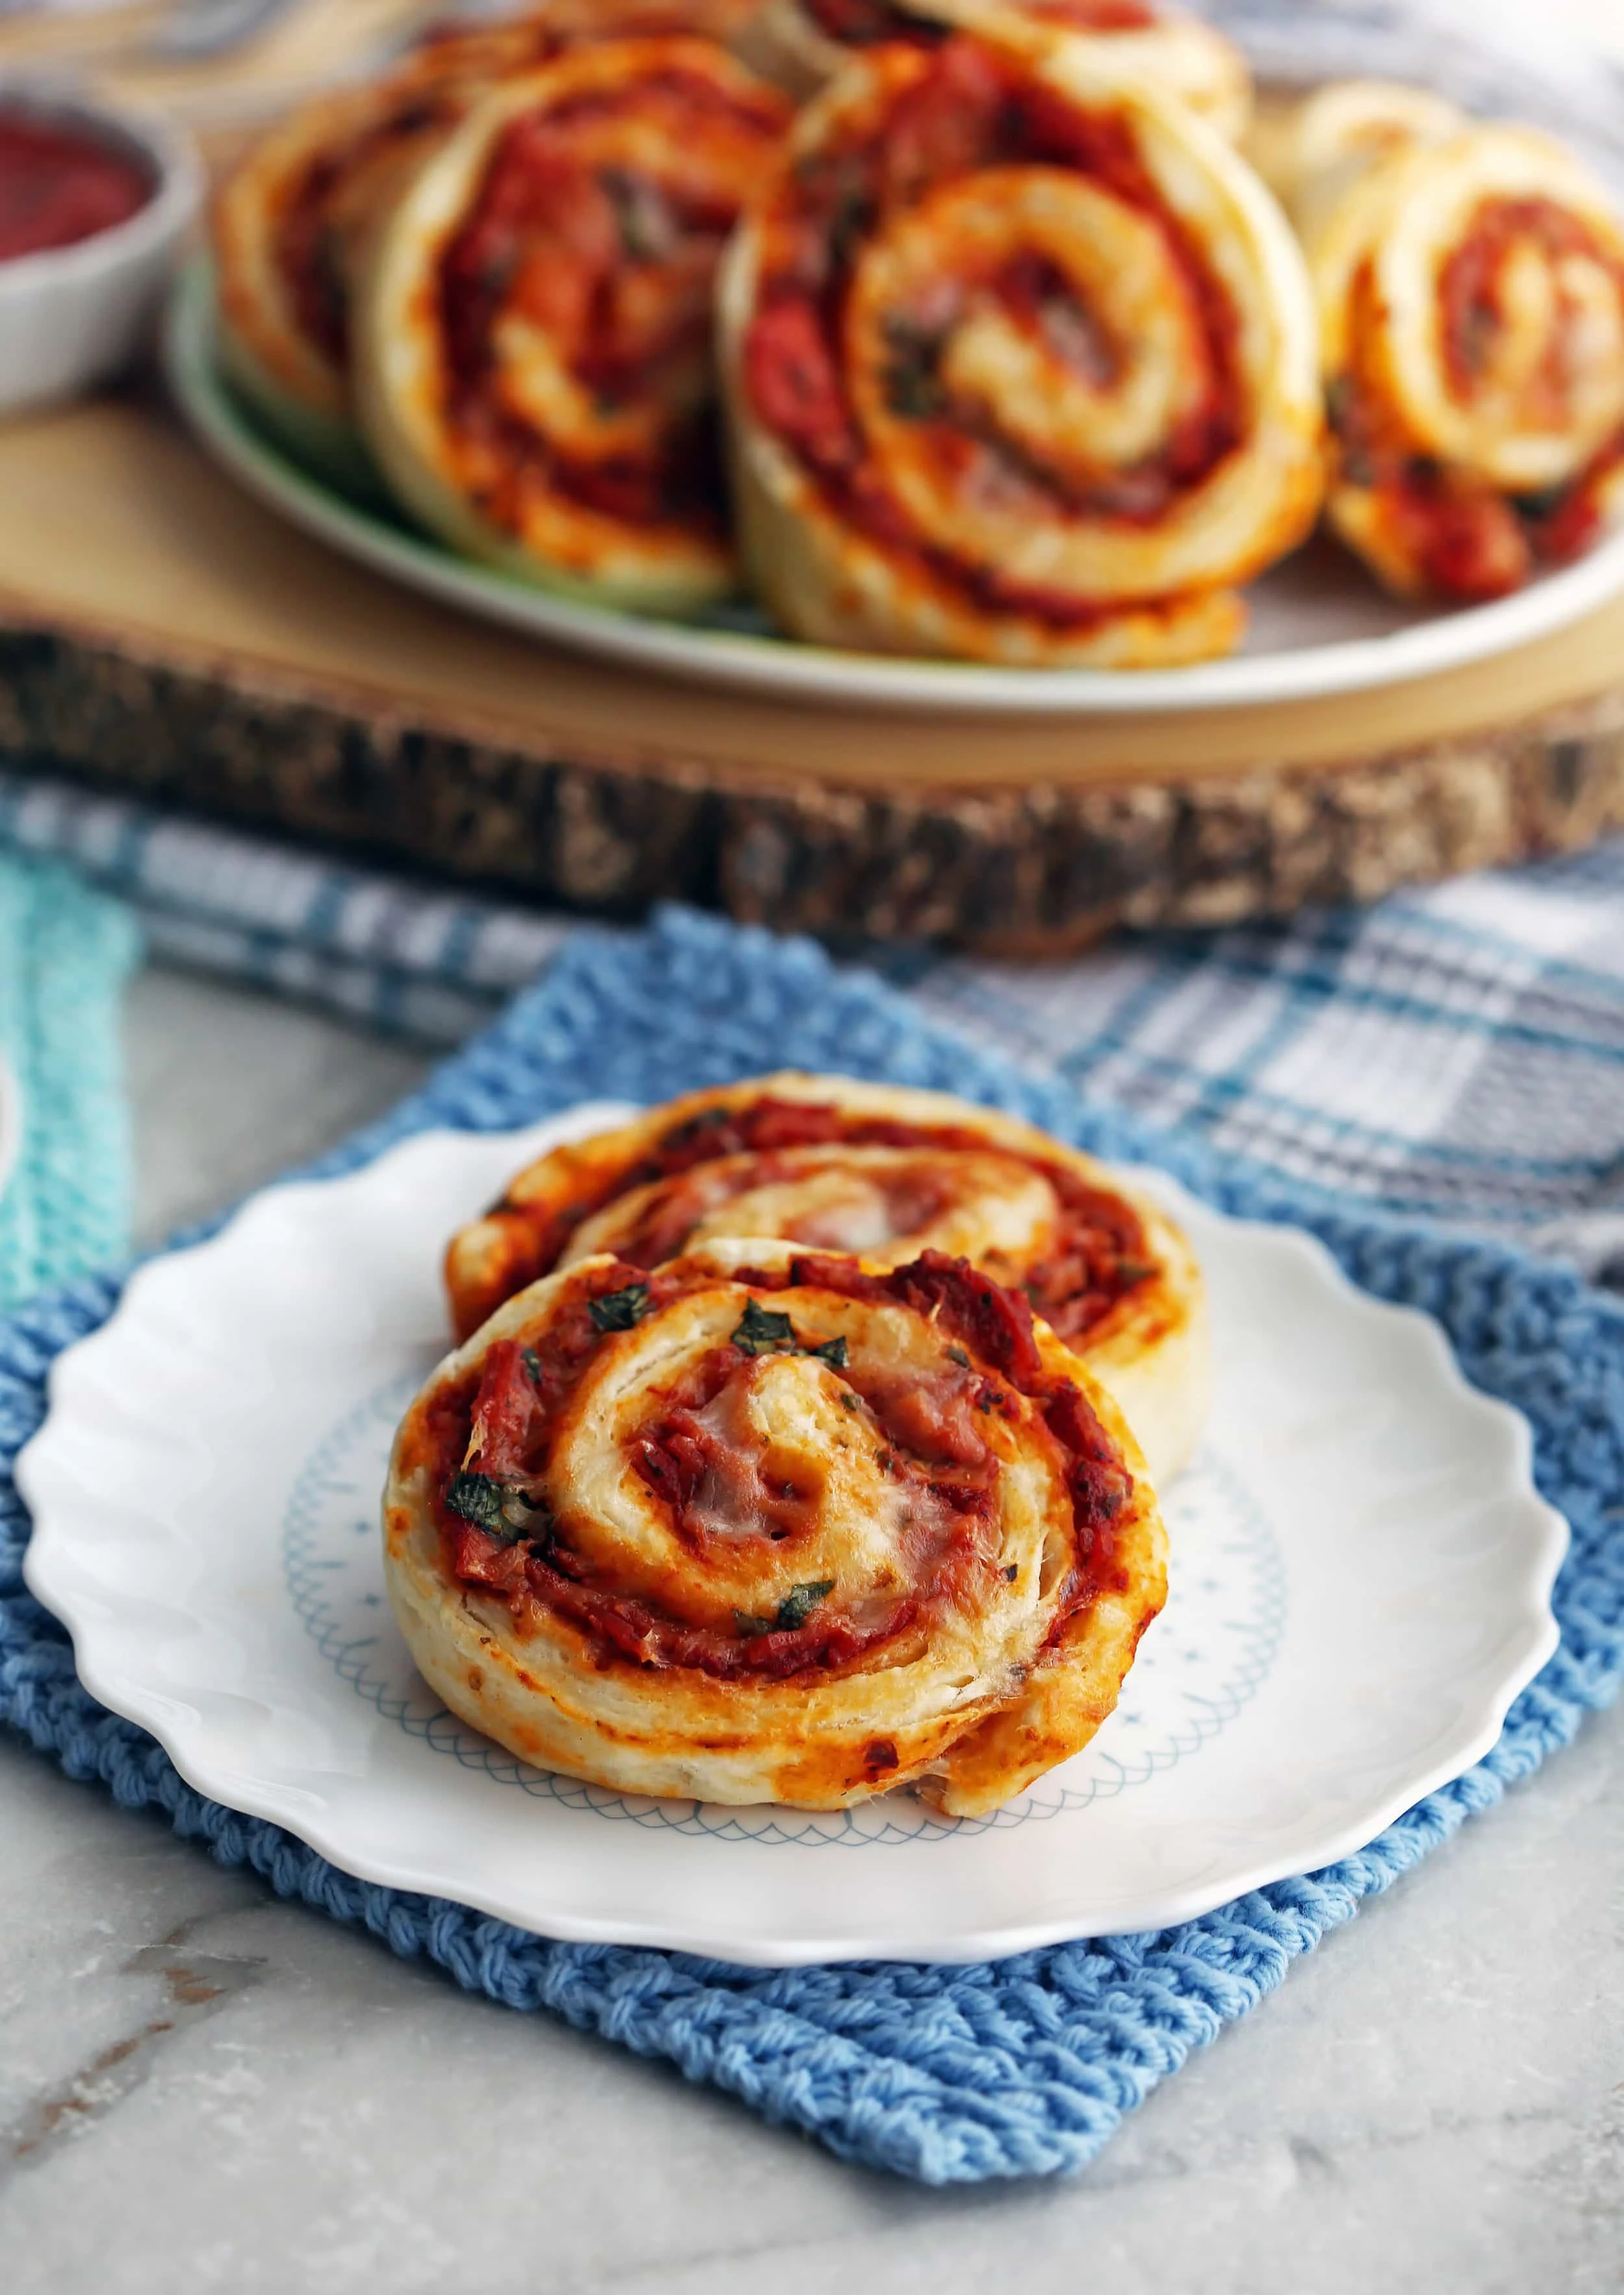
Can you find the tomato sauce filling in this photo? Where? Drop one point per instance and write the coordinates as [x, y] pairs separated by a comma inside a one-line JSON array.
[[59, 185], [970, 110], [1097, 1256], [1467, 539], [488, 1442], [617, 267]]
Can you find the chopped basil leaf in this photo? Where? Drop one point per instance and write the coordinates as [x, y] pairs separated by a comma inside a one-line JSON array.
[[798, 1604], [1134, 1270], [1012, 1573], [646, 233], [479, 1499], [1543, 504], [499, 1510], [913, 385], [533, 1364], [617, 1311], [763, 1333], [957, 1355], [848, 1401], [793, 1612]]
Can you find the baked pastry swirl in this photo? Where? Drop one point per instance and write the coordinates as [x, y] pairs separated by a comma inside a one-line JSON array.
[[794, 1531], [832, 1164], [804, 42], [1471, 292], [535, 334], [289, 219], [1020, 366]]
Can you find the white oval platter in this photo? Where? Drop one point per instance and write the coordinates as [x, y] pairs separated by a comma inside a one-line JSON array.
[[1320, 626], [1361, 1583]]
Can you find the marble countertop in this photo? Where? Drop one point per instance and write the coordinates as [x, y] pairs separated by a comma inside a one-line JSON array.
[[203, 2089]]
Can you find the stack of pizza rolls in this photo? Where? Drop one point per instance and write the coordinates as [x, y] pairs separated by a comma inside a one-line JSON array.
[[491, 283], [795, 1451], [829, 1164], [1470, 286], [566, 432], [983, 330]]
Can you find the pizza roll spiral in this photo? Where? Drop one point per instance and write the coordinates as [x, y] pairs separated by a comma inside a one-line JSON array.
[[831, 1164], [1311, 149], [289, 220], [1020, 367], [804, 42], [1471, 291], [761, 1527], [535, 359]]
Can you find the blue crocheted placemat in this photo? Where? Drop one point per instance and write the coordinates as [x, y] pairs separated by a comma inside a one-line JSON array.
[[951, 2075], [65, 953]]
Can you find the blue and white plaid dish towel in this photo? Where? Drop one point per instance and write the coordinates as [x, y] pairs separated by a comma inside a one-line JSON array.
[[1457, 1053]]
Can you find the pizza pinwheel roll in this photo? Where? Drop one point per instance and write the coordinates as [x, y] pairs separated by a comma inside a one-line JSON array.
[[535, 359], [1020, 367], [288, 221], [1470, 291], [761, 1527], [804, 42], [1310, 151], [831, 1164]]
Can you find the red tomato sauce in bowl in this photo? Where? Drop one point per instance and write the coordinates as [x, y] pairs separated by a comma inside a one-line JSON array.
[[59, 184]]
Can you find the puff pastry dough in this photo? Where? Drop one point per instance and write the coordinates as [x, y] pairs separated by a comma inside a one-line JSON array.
[[760, 1526], [804, 42], [289, 220], [1019, 363], [830, 1163], [1470, 282], [534, 362]]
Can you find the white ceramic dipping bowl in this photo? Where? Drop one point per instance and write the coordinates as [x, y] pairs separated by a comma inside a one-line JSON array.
[[71, 317]]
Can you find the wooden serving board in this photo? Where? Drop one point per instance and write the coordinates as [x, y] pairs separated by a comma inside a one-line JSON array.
[[161, 634]]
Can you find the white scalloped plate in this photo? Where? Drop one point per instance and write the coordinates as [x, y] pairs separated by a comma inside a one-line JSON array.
[[1362, 1580], [1320, 626]]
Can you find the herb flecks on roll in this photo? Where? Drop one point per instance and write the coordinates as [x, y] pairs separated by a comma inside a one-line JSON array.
[[1021, 367], [535, 355], [831, 1164], [766, 1526]]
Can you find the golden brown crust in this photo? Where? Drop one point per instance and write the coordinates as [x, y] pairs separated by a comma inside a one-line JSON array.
[[828, 1607], [561, 426], [300, 202], [973, 1182], [1470, 282], [1072, 405]]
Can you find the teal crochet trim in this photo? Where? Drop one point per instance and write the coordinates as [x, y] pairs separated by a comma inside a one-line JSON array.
[[65, 953], [1020, 2067]]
